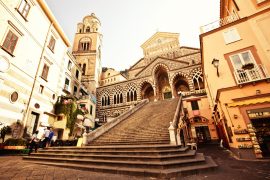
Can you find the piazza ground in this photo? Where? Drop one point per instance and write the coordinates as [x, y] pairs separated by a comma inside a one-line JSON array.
[[13, 167]]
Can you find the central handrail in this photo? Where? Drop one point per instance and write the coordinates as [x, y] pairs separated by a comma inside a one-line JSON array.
[[177, 113]]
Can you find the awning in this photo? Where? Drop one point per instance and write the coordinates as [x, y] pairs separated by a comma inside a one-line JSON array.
[[249, 102]]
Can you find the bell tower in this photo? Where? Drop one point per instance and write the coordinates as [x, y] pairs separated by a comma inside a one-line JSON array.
[[87, 50]]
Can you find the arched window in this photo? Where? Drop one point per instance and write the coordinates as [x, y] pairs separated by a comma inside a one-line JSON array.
[[198, 80], [108, 98], [87, 29], [128, 97], [84, 44], [131, 96], [83, 69], [121, 98], [135, 96], [114, 99], [102, 101]]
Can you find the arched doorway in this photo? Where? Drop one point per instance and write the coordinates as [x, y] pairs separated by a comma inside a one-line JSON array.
[[180, 83], [162, 83], [147, 91]]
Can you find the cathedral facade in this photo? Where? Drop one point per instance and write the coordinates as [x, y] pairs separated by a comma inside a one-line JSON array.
[[165, 70]]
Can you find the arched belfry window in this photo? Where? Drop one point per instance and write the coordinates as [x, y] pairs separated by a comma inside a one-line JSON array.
[[84, 44], [87, 29]]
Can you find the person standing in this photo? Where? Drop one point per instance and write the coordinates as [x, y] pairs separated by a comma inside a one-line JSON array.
[[51, 134], [33, 143], [46, 136]]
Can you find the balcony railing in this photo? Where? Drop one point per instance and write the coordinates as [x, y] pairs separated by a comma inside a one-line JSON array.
[[219, 23], [196, 92], [259, 72]]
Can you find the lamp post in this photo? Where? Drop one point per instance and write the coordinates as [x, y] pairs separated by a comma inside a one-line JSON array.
[[215, 62]]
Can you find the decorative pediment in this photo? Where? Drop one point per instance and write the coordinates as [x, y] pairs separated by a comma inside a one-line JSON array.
[[159, 42]]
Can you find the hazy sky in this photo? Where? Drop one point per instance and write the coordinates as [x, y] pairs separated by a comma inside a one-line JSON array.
[[127, 24]]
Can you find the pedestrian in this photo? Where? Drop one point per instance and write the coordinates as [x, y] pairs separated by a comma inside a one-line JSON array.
[[33, 143], [46, 137], [51, 134]]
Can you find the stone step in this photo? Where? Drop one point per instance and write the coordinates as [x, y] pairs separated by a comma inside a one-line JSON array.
[[139, 171], [120, 156], [197, 159], [130, 143], [121, 152]]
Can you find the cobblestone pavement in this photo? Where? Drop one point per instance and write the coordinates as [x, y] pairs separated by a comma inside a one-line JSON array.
[[14, 168], [231, 168]]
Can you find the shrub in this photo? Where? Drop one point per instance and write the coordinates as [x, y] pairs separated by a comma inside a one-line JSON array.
[[15, 142]]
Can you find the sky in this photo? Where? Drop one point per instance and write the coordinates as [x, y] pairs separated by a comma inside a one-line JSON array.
[[127, 24]]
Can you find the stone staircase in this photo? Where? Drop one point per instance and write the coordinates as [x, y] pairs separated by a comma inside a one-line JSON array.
[[137, 146], [149, 125]]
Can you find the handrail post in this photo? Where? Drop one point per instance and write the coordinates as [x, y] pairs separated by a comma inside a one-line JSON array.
[[174, 124], [172, 134]]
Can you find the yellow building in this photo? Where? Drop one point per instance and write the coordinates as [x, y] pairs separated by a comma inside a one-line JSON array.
[[235, 58]]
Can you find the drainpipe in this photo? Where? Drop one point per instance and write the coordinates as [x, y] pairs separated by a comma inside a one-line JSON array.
[[35, 79]]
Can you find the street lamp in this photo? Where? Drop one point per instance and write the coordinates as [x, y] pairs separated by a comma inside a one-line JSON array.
[[215, 62]]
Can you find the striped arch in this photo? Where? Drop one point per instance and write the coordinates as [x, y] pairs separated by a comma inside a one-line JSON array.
[[180, 74], [160, 65], [145, 81]]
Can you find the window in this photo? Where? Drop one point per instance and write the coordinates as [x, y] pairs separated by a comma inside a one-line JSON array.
[[231, 35], [51, 44], [240, 59], [69, 65], [77, 74], [14, 97], [10, 42], [88, 29], [41, 88], [75, 90], [83, 69], [194, 105], [66, 84], [24, 8], [91, 109], [45, 72], [84, 44]]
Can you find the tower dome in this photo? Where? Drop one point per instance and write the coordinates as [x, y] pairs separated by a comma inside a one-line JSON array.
[[91, 23]]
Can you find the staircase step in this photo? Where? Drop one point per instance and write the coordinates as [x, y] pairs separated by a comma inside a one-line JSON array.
[[138, 171], [119, 156], [198, 159]]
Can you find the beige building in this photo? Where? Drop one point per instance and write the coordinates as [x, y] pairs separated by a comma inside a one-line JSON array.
[[36, 66], [235, 58], [87, 51]]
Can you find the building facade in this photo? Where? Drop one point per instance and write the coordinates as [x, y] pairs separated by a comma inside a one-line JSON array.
[[36, 67], [165, 70], [235, 58]]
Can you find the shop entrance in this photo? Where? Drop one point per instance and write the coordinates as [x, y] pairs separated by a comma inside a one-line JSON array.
[[262, 129], [203, 134]]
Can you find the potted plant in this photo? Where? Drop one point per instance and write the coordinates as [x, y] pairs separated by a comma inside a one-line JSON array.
[[248, 66]]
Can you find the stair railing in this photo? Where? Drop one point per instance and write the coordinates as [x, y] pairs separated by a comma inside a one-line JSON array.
[[109, 125], [179, 113]]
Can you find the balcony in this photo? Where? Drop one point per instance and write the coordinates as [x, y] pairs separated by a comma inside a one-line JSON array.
[[219, 23], [200, 92], [259, 72]]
